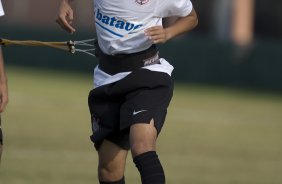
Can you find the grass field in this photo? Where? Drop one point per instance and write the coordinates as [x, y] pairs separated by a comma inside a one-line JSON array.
[[211, 136]]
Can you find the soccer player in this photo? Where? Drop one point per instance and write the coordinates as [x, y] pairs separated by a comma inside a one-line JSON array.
[[3, 86], [133, 84]]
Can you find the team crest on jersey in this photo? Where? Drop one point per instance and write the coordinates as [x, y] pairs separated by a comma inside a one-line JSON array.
[[142, 2]]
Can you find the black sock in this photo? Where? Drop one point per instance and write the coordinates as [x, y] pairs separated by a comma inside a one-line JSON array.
[[1, 136], [115, 182], [150, 168]]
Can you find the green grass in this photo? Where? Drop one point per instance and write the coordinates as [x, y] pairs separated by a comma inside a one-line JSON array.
[[211, 136]]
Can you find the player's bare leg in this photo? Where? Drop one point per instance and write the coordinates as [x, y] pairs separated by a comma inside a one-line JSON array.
[[142, 138], [112, 161], [143, 148]]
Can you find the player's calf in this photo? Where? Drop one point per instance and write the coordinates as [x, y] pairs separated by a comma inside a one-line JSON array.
[[150, 168], [143, 145]]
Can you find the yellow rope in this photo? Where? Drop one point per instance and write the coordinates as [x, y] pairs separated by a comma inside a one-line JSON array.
[[57, 45]]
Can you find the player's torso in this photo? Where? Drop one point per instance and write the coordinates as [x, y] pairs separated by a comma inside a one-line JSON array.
[[120, 24]]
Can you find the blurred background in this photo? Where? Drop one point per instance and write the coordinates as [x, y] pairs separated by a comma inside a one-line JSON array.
[[236, 43], [224, 124]]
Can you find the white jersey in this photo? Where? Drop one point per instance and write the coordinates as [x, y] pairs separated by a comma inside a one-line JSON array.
[[1, 9], [120, 27]]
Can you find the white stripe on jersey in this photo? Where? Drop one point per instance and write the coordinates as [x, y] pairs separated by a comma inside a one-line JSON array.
[[1, 9], [102, 78]]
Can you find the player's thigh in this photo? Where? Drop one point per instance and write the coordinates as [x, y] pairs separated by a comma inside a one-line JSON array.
[[143, 138], [112, 159]]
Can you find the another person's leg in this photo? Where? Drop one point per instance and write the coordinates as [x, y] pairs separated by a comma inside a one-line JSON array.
[[143, 138], [112, 161]]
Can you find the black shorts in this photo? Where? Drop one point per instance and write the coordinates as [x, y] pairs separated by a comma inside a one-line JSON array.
[[141, 96]]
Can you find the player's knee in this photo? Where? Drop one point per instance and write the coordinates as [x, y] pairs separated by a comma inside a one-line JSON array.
[[140, 147], [109, 172]]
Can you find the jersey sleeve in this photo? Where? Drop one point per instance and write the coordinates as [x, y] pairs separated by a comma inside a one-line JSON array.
[[1, 9], [167, 8]]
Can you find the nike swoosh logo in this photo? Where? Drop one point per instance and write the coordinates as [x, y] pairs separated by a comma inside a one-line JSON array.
[[137, 112]]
